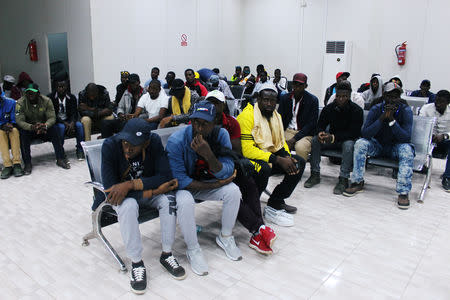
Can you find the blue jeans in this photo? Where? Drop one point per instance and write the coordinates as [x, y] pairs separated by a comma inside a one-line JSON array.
[[79, 133], [404, 153]]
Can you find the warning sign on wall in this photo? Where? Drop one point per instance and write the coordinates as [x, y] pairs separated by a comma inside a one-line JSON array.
[[184, 40]]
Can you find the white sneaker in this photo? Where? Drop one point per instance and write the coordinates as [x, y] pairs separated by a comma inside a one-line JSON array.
[[279, 217], [229, 246], [197, 261]]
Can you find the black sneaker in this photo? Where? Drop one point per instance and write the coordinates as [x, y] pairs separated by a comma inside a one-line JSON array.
[[170, 263], [138, 278], [63, 163], [17, 170], [354, 189], [340, 186], [403, 202], [80, 155], [6, 172], [312, 180], [289, 208], [446, 184], [27, 169]]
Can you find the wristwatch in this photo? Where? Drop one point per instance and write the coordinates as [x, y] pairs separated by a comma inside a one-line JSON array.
[[446, 137], [391, 123]]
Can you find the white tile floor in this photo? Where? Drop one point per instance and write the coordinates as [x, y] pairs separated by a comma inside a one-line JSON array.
[[340, 248]]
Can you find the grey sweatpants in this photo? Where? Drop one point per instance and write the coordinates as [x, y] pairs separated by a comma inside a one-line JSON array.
[[168, 208], [229, 194]]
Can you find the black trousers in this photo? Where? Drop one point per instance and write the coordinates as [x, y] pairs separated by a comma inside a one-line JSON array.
[[109, 127], [249, 214], [282, 190], [26, 136]]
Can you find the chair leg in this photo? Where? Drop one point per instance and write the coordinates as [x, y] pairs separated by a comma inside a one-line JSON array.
[[427, 181], [267, 193]]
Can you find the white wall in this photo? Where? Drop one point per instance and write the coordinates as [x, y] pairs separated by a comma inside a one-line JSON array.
[[273, 35], [22, 20], [136, 35]]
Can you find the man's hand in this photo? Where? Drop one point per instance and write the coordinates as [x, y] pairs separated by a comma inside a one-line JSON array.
[[325, 137], [437, 138], [165, 121], [122, 117], [388, 114], [70, 127], [222, 182], [166, 187], [118, 192], [129, 116], [291, 144], [288, 164], [201, 147], [7, 127]]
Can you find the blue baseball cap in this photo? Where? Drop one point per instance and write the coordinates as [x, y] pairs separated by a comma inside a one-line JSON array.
[[204, 110], [136, 131]]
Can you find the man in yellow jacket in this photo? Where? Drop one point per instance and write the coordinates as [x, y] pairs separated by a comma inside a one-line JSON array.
[[263, 142]]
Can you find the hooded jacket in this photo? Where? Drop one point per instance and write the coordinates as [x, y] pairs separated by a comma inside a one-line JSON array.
[[369, 95], [17, 93]]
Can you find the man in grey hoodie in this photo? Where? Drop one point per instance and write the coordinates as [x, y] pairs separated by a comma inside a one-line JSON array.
[[375, 91]]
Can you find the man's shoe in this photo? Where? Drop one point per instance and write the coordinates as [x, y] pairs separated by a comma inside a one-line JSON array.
[[403, 201], [170, 263], [279, 217], [138, 278], [6, 172], [27, 169], [63, 163], [17, 170], [197, 261], [313, 180], [268, 235], [354, 189], [446, 184], [80, 155], [289, 208], [257, 243], [229, 246], [340, 186]]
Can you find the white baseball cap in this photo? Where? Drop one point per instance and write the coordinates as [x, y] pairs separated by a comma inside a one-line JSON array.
[[9, 78], [216, 94]]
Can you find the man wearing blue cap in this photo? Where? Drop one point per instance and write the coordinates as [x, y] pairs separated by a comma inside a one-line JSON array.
[[204, 174], [135, 171]]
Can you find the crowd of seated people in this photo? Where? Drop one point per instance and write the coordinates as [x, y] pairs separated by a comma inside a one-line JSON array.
[[216, 156]]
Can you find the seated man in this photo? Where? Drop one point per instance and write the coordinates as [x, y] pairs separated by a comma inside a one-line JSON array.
[[193, 83], [279, 81], [126, 109], [441, 111], [170, 77], [331, 90], [263, 78], [65, 105], [345, 119], [222, 86], [22, 83], [355, 97], [424, 91], [135, 172], [392, 91], [36, 118], [237, 76], [375, 90], [299, 111], [121, 87], [249, 214], [263, 142], [154, 74], [246, 76], [200, 170], [94, 106], [386, 133], [180, 104], [9, 135], [152, 104]]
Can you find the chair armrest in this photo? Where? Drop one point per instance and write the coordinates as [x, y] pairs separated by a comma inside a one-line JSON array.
[[96, 185]]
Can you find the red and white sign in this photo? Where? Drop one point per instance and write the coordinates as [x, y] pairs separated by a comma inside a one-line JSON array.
[[184, 40]]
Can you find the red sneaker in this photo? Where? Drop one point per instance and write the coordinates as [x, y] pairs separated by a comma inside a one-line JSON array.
[[268, 235], [257, 243]]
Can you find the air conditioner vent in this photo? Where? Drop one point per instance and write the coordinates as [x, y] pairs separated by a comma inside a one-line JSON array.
[[335, 47]]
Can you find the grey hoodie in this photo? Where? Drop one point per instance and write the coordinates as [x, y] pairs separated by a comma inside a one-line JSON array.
[[369, 95]]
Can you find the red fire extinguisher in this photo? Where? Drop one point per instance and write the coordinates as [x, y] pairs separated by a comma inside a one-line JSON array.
[[32, 50], [400, 51]]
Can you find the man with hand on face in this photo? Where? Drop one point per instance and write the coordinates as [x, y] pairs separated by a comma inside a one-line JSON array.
[[35, 116], [345, 119], [386, 133], [203, 174], [65, 105], [135, 171], [299, 111], [126, 109], [263, 142]]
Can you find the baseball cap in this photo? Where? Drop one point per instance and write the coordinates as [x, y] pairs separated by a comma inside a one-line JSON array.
[[9, 78], [268, 86], [214, 78], [136, 131], [204, 110], [177, 84], [216, 94], [133, 78], [300, 77], [425, 82], [33, 87], [390, 86], [347, 74]]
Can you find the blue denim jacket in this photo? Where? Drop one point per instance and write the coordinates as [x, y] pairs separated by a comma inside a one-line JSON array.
[[7, 110], [182, 157]]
